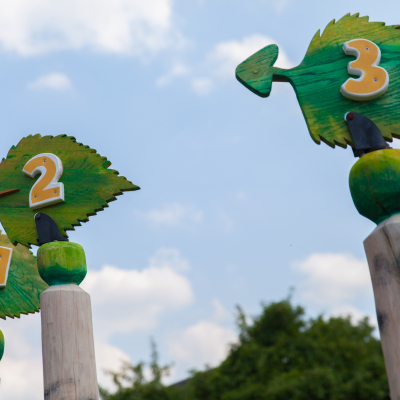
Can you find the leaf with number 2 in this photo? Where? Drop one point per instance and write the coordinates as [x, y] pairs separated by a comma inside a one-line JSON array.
[[87, 183]]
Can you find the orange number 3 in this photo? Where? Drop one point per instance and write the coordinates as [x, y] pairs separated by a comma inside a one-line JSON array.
[[47, 190], [373, 81], [5, 260]]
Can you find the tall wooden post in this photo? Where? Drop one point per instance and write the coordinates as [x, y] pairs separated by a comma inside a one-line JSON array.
[[375, 177], [382, 247], [69, 368]]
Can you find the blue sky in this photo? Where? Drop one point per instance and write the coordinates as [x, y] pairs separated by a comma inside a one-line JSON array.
[[237, 204]]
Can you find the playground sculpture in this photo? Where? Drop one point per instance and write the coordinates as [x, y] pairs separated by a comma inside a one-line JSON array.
[[49, 185], [348, 87]]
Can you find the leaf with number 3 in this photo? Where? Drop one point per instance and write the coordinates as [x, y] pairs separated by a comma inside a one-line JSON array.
[[69, 192], [353, 65]]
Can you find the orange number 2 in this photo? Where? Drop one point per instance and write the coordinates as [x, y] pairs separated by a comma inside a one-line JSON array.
[[373, 81], [5, 260], [47, 190]]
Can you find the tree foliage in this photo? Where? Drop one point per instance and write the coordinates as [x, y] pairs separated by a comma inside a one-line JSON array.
[[283, 355], [132, 384]]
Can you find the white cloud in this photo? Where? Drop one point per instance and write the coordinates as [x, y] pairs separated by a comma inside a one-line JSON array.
[[176, 71], [21, 367], [55, 81], [174, 214], [108, 358], [202, 343], [335, 284], [127, 300], [202, 86], [21, 378], [171, 258], [332, 279], [30, 27], [226, 56]]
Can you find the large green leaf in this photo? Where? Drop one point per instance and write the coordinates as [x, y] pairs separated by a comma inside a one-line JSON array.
[[88, 183], [317, 80], [24, 285]]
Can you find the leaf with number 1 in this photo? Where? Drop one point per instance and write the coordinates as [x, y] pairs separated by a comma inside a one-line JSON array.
[[87, 181], [21, 293]]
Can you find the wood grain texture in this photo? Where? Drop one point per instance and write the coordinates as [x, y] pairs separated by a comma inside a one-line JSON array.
[[69, 367], [89, 186], [318, 79], [383, 253], [24, 285]]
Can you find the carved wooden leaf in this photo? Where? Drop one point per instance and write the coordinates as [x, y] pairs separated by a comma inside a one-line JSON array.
[[318, 78], [88, 184]]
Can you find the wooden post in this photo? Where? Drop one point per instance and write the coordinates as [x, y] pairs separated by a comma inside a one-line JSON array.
[[382, 247], [69, 368]]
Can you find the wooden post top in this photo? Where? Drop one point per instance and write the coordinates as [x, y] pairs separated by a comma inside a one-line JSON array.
[[375, 184], [61, 263]]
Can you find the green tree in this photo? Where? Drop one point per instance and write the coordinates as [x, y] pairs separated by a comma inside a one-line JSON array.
[[283, 355], [132, 385]]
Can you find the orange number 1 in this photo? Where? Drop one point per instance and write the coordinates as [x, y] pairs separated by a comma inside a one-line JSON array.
[[373, 81], [5, 260], [47, 190]]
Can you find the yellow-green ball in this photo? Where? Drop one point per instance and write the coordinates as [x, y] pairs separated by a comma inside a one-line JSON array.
[[61, 263], [375, 184], [1, 345]]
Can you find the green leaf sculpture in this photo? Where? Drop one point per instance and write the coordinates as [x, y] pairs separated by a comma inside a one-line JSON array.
[[318, 79], [1, 345], [88, 185], [24, 285]]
